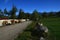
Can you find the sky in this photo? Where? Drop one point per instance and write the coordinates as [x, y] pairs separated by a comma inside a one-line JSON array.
[[31, 5]]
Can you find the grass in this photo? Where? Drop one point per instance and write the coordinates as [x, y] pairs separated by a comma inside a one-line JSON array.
[[26, 35], [53, 25]]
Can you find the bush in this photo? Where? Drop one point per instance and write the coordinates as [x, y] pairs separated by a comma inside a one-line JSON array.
[[24, 36]]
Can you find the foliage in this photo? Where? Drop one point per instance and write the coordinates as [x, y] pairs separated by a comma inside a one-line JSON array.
[[35, 15], [44, 15], [1, 14], [13, 12], [27, 15], [5, 11], [51, 14], [26, 35], [21, 14], [58, 14]]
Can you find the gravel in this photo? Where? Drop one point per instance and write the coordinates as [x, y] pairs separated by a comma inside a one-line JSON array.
[[12, 31]]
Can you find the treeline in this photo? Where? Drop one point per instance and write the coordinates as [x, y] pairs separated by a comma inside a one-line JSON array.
[[22, 15]]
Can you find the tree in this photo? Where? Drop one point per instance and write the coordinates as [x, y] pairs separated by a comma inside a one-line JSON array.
[[40, 15], [21, 14], [27, 15], [51, 14], [5, 12], [1, 14], [13, 12], [35, 15], [58, 14], [44, 15]]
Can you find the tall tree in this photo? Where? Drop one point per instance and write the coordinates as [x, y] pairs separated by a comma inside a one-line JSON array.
[[44, 15], [1, 14], [13, 12], [21, 14], [5, 12], [27, 15], [35, 15]]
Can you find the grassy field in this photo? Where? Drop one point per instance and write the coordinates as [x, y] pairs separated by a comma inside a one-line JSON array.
[[53, 25]]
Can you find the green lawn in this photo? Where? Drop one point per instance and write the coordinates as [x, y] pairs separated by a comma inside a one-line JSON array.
[[53, 25]]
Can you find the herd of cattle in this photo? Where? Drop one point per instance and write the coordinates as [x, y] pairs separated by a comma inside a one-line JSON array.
[[4, 22], [39, 29]]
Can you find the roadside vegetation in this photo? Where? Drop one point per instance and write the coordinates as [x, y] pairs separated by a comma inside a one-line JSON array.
[[26, 34], [53, 24]]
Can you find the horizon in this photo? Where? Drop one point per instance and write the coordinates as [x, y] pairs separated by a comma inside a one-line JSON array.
[[31, 5]]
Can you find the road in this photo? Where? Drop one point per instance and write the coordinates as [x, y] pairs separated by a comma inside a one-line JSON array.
[[12, 31]]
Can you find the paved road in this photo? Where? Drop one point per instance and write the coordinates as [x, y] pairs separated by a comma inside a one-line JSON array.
[[11, 32]]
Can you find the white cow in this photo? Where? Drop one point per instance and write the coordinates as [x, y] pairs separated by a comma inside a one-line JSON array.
[[2, 22], [22, 20], [5, 22], [9, 21]]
